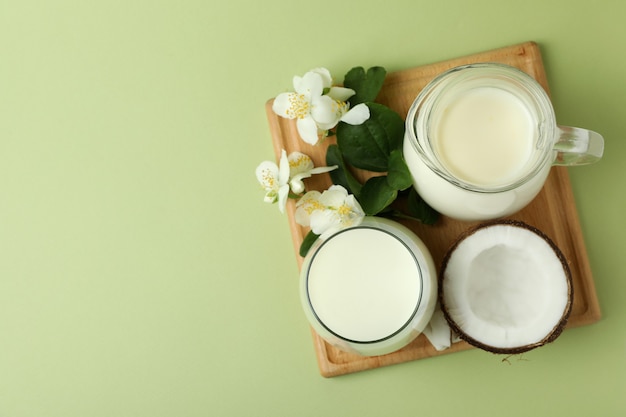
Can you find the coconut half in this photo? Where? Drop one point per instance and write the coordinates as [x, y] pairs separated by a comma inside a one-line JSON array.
[[505, 287]]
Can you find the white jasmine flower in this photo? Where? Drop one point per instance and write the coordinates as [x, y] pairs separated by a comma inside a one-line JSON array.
[[327, 79], [334, 111], [275, 180], [317, 106], [328, 212], [301, 167], [356, 115]]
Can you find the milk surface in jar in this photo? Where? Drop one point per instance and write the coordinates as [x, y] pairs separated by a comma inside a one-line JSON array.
[[484, 136]]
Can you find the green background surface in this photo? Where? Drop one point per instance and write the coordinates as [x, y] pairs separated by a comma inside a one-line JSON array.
[[141, 274]]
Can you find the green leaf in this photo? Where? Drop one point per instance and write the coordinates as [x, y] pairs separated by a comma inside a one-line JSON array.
[[306, 244], [419, 209], [398, 174], [368, 145], [342, 175], [367, 86], [376, 195]]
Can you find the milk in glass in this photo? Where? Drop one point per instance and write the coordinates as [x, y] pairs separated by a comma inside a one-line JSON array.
[[370, 289]]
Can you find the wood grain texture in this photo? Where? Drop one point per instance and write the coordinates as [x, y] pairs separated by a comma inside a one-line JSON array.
[[553, 211]]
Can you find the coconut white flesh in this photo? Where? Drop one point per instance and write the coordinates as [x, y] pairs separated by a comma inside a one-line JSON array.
[[505, 287]]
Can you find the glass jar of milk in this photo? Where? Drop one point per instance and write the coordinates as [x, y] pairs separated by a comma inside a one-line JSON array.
[[369, 289], [480, 140]]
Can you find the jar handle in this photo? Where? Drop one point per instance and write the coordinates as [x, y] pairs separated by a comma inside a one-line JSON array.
[[576, 146]]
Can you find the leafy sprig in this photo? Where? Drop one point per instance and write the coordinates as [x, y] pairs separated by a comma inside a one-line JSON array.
[[376, 146]]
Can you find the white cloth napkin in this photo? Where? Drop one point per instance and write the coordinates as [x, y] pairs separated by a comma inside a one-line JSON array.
[[438, 331]]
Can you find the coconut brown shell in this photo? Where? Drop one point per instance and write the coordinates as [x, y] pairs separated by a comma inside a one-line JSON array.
[[552, 335]]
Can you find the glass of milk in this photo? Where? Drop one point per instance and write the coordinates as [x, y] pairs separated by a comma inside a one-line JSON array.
[[480, 140], [369, 289]]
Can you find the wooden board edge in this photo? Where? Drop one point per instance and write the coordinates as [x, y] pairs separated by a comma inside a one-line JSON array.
[[297, 233], [328, 369], [593, 312], [530, 50]]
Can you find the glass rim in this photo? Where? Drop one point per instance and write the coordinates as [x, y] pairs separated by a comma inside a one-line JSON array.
[[419, 304]]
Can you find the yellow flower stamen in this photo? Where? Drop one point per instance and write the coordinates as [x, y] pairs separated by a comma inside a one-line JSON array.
[[310, 205], [268, 178], [344, 210], [299, 161], [299, 107]]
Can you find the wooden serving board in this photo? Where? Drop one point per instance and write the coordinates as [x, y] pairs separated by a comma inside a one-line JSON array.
[[553, 211]]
